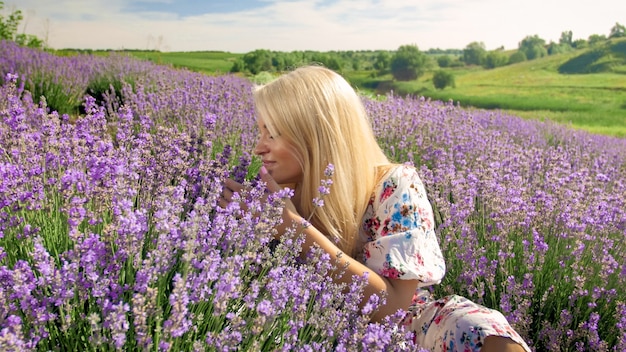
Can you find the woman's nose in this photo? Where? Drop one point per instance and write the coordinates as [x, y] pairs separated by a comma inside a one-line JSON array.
[[260, 148]]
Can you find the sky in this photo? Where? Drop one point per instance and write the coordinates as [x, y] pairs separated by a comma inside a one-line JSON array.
[[241, 26]]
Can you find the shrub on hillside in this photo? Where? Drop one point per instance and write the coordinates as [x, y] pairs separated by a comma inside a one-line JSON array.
[[443, 79], [516, 57], [495, 58]]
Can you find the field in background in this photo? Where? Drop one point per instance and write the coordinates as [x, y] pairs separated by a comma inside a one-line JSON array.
[[532, 89], [209, 62]]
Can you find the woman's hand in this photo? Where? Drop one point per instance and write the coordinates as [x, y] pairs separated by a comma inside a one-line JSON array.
[[290, 214], [230, 187]]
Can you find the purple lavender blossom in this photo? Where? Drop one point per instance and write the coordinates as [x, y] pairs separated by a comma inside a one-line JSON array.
[[110, 229]]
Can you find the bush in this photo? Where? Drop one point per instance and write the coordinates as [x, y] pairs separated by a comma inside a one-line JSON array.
[[443, 79], [408, 63], [516, 57], [262, 77], [495, 59], [444, 61]]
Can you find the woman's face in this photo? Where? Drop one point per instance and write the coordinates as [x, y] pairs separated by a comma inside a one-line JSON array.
[[278, 156]]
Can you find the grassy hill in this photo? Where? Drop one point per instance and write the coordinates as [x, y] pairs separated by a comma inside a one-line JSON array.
[[585, 88]]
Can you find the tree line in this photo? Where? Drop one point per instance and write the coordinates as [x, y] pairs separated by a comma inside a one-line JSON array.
[[406, 63]]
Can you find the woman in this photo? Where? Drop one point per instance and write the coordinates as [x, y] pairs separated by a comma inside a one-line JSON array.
[[376, 218]]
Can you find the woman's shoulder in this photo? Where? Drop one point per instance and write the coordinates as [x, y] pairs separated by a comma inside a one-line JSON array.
[[399, 173], [397, 178]]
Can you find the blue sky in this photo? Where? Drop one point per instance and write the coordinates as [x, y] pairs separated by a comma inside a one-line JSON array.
[[192, 8], [284, 25]]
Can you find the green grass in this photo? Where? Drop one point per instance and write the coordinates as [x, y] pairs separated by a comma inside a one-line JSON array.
[[209, 62], [594, 102]]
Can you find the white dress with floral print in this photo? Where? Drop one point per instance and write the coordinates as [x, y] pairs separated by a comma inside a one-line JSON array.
[[400, 243]]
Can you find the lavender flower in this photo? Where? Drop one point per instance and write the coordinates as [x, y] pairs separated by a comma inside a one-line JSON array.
[[324, 188], [111, 237]]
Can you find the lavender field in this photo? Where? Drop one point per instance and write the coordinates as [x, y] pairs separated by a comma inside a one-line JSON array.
[[111, 238]]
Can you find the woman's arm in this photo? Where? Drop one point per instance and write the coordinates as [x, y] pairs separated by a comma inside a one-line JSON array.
[[399, 293]]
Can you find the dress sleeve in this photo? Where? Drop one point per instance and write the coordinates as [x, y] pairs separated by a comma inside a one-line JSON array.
[[400, 240]]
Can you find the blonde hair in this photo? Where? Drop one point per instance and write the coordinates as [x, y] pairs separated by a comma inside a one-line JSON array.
[[324, 119]]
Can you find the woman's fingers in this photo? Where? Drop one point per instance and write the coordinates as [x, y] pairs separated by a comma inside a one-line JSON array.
[[270, 183], [225, 197], [230, 187], [272, 187]]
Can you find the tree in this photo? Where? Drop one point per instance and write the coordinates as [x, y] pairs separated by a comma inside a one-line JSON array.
[[28, 40], [444, 61], [356, 63], [238, 66], [580, 44], [516, 57], [595, 39], [443, 79], [495, 58], [558, 48], [383, 60], [566, 38], [257, 61], [290, 60], [408, 63], [329, 60], [8, 27], [533, 47], [536, 52], [278, 62], [618, 31], [282, 61], [474, 53], [8, 30]]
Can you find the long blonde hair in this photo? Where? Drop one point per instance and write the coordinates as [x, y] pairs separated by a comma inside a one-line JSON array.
[[324, 119]]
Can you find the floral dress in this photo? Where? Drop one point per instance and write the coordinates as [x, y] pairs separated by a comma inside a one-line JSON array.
[[400, 243]]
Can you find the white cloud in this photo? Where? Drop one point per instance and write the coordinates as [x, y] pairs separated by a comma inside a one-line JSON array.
[[317, 25]]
